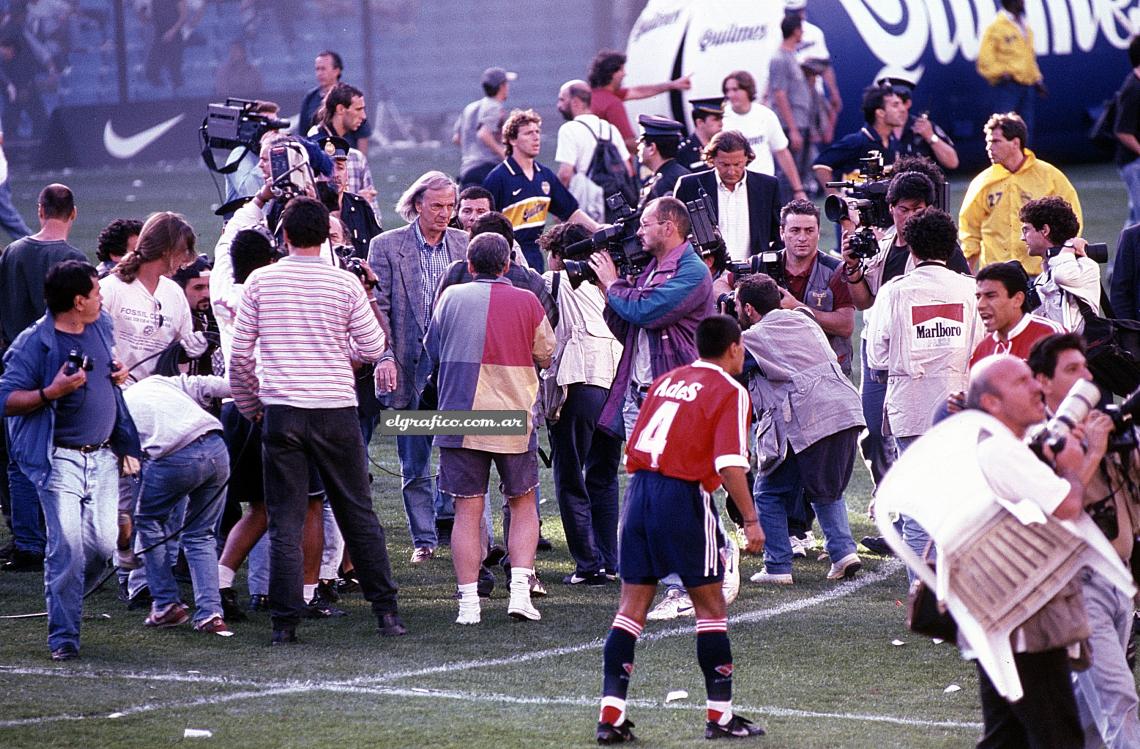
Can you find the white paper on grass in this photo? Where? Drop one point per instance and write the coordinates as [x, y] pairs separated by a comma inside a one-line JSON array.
[[677, 694], [197, 733], [951, 689]]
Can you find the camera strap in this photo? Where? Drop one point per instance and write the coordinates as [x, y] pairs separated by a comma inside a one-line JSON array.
[[211, 162]]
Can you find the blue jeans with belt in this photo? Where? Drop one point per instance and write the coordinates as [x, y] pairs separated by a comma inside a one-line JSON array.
[[80, 503]]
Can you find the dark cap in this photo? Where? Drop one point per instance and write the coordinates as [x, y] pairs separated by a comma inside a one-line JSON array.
[[495, 77], [334, 147], [704, 107], [200, 267], [653, 126]]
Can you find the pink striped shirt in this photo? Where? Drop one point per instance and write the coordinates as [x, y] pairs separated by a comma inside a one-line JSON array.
[[309, 321]]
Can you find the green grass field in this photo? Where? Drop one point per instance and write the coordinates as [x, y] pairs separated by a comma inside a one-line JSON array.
[[816, 663]]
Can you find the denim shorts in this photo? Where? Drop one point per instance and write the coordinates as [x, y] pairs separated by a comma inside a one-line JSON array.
[[465, 473]]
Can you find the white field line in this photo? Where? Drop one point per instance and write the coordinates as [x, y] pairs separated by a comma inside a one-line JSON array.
[[377, 683], [485, 697]]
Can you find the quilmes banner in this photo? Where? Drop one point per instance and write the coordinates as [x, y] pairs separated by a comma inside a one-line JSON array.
[[1080, 44], [140, 132]]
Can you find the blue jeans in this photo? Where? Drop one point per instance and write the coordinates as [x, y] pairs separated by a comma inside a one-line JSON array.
[[877, 452], [257, 568], [10, 218], [80, 504], [422, 502], [189, 484], [1130, 173], [914, 534], [1014, 97], [772, 493], [27, 518]]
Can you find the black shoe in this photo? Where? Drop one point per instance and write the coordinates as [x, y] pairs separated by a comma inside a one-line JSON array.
[[737, 728], [284, 637], [443, 530], [347, 582], [611, 734], [486, 582], [6, 552], [876, 545], [258, 602], [495, 555], [544, 544], [65, 653], [123, 595], [319, 608], [326, 589], [24, 561], [140, 600], [392, 626], [589, 579], [231, 611]]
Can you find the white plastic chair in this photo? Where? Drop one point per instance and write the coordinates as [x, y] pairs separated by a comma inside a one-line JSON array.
[[995, 568]]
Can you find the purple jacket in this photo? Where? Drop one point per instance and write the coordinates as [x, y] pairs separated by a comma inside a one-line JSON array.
[[668, 300]]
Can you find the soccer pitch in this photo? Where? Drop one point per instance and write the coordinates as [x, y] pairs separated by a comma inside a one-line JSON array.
[[818, 664]]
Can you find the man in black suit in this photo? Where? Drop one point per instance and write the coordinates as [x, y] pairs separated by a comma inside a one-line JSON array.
[[1125, 295], [746, 204]]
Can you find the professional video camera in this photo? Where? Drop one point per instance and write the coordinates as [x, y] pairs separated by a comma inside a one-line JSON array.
[[620, 240], [1082, 398], [291, 173], [235, 124], [868, 199], [769, 262]]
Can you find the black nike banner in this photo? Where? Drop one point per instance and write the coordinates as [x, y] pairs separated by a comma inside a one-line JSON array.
[[138, 133]]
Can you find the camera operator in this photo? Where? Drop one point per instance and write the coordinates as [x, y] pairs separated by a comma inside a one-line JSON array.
[[1049, 228], [815, 280], [655, 315], [808, 419], [908, 193], [1106, 691], [1004, 387]]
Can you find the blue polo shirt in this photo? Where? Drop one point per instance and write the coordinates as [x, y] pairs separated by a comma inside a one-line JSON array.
[[843, 155], [527, 203]]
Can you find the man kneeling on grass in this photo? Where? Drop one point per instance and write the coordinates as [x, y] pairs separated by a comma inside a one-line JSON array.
[[691, 435], [68, 423]]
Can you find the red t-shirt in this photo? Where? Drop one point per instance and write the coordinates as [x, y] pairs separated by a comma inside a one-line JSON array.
[[1022, 336], [693, 423], [608, 105]]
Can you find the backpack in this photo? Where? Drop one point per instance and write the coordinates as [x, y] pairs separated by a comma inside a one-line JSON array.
[[1103, 131], [607, 170], [1113, 354]]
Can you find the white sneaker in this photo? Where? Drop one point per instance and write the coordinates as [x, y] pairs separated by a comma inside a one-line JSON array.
[[808, 541], [521, 608], [798, 550], [731, 586], [675, 603], [764, 577], [469, 613], [845, 568]]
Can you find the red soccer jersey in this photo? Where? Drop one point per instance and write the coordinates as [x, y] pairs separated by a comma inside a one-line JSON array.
[[1028, 331], [693, 423]]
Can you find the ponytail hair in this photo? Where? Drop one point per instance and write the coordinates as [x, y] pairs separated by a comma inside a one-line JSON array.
[[162, 235]]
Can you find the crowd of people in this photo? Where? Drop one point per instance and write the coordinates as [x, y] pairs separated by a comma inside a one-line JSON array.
[[149, 398]]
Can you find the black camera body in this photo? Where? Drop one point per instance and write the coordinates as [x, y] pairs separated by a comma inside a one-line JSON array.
[[868, 199], [77, 360], [769, 262], [350, 262]]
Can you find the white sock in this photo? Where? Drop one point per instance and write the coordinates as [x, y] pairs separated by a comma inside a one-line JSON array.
[[613, 711], [724, 708], [520, 580], [469, 594], [309, 592], [225, 576]]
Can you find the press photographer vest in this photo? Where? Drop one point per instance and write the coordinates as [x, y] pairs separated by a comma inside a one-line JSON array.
[[818, 295]]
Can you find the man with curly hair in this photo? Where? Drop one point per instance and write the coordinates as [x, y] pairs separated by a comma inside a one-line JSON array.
[[1049, 228]]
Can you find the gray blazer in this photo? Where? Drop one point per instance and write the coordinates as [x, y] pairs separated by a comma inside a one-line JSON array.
[[394, 257]]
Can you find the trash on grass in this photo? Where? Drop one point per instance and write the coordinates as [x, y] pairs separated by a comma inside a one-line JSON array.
[[676, 694], [896, 643], [197, 733], [951, 689]]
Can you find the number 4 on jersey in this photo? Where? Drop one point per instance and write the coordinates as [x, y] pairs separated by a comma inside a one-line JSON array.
[[653, 437]]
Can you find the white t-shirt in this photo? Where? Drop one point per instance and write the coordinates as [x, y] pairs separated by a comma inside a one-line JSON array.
[[145, 324], [761, 127], [576, 145]]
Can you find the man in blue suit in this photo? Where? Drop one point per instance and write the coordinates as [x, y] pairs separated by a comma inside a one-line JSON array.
[[1125, 294]]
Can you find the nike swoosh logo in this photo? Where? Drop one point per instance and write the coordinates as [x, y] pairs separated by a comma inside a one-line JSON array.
[[516, 192], [125, 148]]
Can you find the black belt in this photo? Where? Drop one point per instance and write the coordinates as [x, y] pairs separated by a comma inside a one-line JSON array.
[[86, 448], [643, 389]]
